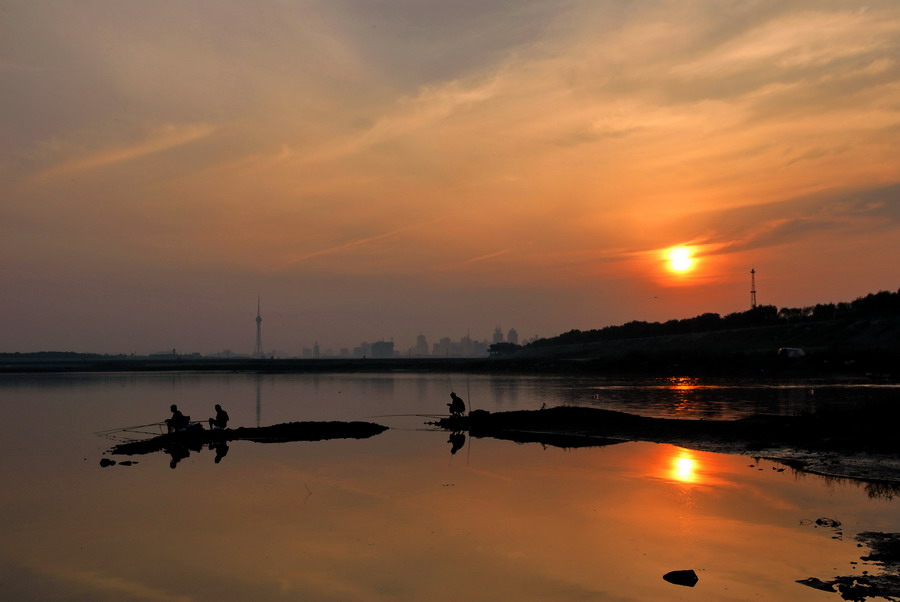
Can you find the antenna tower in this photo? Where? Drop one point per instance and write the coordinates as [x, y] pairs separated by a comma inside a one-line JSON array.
[[753, 289], [258, 351]]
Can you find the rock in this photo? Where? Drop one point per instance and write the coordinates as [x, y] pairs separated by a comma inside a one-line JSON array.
[[828, 522], [104, 462], [825, 586], [687, 578]]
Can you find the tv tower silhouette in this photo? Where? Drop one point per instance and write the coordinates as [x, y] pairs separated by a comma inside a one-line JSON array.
[[752, 289], [258, 352]]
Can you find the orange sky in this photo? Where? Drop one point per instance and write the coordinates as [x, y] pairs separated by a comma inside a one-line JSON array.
[[381, 170]]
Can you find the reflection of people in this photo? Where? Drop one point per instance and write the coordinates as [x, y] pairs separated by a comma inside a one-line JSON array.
[[457, 406], [178, 453], [181, 450], [178, 420], [457, 440], [221, 448], [221, 419]]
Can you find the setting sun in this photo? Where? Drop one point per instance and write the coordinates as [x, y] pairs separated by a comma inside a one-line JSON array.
[[680, 259]]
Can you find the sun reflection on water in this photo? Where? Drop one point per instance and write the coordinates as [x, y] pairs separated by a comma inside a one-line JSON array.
[[684, 389], [685, 468]]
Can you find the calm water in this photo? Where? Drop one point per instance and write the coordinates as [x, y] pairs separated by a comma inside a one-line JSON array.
[[397, 516]]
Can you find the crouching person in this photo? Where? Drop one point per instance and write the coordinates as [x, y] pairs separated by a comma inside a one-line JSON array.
[[221, 419]]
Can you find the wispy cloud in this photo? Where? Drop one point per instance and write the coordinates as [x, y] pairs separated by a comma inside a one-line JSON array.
[[486, 256], [98, 583], [158, 140], [359, 242]]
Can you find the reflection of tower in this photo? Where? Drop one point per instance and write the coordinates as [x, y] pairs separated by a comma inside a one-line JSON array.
[[258, 397], [753, 289], [258, 351]]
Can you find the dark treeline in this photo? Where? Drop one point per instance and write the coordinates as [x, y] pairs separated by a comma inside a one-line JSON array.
[[53, 355], [873, 305]]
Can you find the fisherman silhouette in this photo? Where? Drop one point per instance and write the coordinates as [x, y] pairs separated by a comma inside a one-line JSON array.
[[457, 440], [221, 419], [457, 407], [178, 420]]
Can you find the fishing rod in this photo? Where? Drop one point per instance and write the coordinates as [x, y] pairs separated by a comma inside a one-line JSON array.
[[408, 415], [128, 428], [471, 438]]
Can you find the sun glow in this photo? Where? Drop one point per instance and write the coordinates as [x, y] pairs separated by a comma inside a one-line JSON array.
[[685, 468], [680, 259]]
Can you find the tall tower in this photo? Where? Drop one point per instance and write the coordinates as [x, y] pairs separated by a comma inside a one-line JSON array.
[[258, 351], [752, 289]]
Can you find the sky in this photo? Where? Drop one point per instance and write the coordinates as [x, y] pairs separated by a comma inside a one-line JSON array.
[[377, 169]]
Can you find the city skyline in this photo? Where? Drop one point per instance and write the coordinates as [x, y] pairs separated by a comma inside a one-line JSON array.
[[378, 170]]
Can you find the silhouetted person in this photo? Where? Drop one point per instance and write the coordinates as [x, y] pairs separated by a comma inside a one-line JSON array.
[[457, 440], [178, 420], [457, 406], [221, 419]]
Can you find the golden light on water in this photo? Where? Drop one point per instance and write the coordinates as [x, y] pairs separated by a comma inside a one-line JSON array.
[[685, 468]]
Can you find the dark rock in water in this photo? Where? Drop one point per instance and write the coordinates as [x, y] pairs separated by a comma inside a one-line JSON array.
[[686, 578], [885, 553], [277, 433], [127, 463], [104, 462], [825, 586], [828, 522]]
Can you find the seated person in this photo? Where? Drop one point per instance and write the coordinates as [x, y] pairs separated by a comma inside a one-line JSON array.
[[221, 419], [178, 420]]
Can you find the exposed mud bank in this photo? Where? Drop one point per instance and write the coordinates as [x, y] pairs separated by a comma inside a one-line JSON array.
[[856, 446], [278, 433]]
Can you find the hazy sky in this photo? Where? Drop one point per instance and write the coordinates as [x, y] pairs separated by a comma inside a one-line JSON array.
[[377, 169]]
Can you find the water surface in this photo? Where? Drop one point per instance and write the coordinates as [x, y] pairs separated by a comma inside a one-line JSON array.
[[398, 516]]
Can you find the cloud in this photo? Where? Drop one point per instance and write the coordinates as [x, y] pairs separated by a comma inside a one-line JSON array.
[[487, 256], [99, 584], [158, 140], [791, 221], [355, 243]]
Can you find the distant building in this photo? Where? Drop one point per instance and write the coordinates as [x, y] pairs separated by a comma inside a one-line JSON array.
[[383, 349], [512, 336], [498, 335], [421, 348]]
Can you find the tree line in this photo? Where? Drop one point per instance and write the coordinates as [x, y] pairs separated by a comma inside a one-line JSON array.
[[873, 305]]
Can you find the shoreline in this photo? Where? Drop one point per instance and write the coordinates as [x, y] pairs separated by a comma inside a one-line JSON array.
[[765, 366]]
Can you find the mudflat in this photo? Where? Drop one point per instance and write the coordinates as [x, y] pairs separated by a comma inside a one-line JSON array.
[[858, 445]]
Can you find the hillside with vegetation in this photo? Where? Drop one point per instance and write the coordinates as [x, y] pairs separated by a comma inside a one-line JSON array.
[[863, 334]]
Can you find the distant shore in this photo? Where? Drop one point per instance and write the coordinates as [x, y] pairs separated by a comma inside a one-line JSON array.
[[866, 365]]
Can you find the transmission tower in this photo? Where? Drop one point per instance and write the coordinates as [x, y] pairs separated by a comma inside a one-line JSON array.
[[258, 351], [752, 289]]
